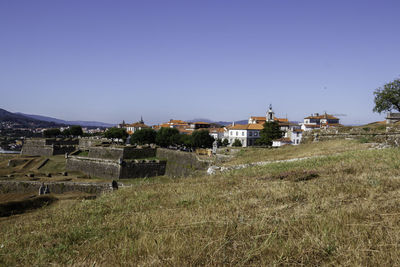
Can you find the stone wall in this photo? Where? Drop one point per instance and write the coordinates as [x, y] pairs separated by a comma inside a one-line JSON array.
[[85, 143], [55, 187], [48, 147], [121, 152], [102, 168], [181, 163], [132, 169], [113, 169]]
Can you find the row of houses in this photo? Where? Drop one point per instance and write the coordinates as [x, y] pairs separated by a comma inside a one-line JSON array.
[[248, 133]]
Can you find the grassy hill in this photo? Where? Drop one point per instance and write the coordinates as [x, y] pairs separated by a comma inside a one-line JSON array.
[[340, 209]]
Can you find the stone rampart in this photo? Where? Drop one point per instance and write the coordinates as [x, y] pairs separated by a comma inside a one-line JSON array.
[[132, 169], [55, 187], [114, 169], [181, 163], [102, 168], [115, 153], [48, 147]]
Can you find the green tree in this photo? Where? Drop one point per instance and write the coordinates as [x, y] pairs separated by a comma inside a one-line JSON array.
[[388, 97], [186, 140], [76, 130], [168, 137], [115, 132], [270, 132], [225, 142], [237, 142], [52, 132], [202, 138], [144, 136], [66, 132]]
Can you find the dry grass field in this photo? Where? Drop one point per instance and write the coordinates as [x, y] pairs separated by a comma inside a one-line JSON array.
[[341, 209]]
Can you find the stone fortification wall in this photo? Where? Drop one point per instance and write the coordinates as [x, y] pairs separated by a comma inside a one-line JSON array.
[[102, 168], [113, 169], [48, 147], [131, 169], [85, 143], [121, 152], [181, 163], [55, 187]]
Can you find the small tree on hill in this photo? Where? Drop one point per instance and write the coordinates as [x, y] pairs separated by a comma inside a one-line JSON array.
[[167, 137], [186, 140], [76, 130], [52, 132], [202, 138], [270, 132], [237, 142], [119, 133], [388, 97], [144, 136]]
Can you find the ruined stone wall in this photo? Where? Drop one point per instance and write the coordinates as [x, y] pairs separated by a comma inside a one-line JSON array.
[[102, 168], [181, 163], [61, 142], [121, 152]]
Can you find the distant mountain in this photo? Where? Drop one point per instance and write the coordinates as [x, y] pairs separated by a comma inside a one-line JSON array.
[[81, 123], [19, 120]]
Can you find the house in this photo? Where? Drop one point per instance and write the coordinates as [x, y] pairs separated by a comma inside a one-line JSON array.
[[199, 125], [281, 142], [291, 130], [246, 133], [317, 121], [133, 127], [392, 117], [218, 133]]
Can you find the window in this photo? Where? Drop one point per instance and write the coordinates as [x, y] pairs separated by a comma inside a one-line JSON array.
[[237, 133], [255, 133], [250, 133], [243, 133]]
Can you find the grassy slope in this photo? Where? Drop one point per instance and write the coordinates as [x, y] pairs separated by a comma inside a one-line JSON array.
[[347, 215], [250, 154]]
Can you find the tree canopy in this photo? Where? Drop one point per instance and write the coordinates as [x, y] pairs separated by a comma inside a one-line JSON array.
[[115, 132], [270, 132], [388, 97], [144, 136], [52, 132], [76, 130], [202, 138], [167, 137]]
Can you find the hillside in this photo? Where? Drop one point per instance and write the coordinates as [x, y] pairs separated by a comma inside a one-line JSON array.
[[81, 123], [21, 121], [339, 209]]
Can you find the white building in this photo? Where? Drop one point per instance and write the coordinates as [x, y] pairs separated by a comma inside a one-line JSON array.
[[316, 121], [247, 134]]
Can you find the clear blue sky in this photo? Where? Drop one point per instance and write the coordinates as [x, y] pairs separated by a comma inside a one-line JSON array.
[[222, 60]]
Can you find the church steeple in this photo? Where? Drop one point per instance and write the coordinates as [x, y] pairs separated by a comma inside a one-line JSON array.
[[141, 120], [270, 114]]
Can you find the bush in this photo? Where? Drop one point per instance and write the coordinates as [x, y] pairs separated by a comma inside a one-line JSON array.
[[225, 142], [237, 143]]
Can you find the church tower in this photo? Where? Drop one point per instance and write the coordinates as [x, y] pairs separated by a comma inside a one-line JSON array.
[[270, 114]]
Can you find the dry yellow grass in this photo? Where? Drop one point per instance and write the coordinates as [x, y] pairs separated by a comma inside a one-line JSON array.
[[346, 214]]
